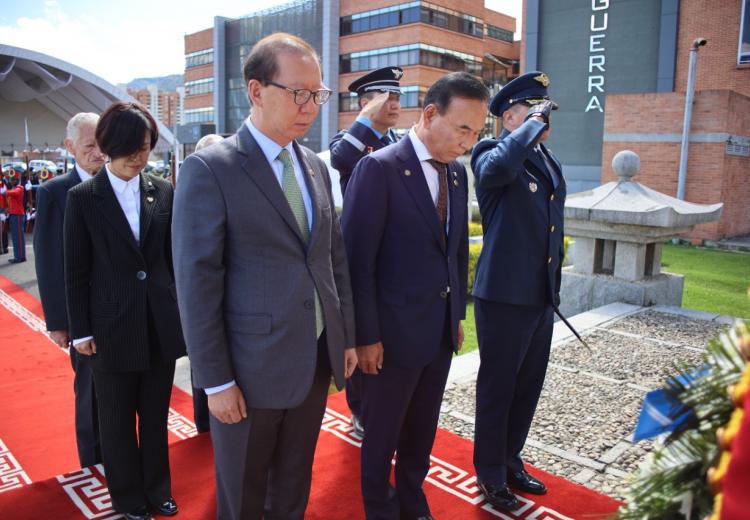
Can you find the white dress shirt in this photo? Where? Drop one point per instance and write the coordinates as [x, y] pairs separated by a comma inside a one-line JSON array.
[[83, 174], [128, 194]]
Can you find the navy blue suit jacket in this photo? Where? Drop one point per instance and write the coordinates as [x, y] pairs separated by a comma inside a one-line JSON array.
[[349, 146], [522, 216], [51, 198], [399, 262]]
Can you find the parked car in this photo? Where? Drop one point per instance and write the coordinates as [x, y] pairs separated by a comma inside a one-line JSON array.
[[38, 164]]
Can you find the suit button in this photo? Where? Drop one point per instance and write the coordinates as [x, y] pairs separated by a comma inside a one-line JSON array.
[[141, 275], [549, 260], [308, 304], [443, 294], [552, 197], [552, 229]]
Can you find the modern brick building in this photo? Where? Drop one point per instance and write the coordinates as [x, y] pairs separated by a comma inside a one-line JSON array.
[[426, 39], [619, 70], [166, 106]]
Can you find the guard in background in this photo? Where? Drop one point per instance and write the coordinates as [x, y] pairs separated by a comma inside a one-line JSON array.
[[521, 194], [379, 99]]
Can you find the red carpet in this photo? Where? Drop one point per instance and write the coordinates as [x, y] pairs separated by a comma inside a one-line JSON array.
[[37, 435], [37, 429]]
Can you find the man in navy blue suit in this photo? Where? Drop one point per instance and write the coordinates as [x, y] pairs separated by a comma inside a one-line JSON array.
[[379, 95], [521, 194], [405, 225]]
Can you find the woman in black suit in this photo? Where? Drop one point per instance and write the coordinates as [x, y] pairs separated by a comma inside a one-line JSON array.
[[122, 308]]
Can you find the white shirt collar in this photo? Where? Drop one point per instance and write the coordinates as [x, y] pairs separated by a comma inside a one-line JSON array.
[[270, 148], [419, 148], [83, 174], [120, 185]]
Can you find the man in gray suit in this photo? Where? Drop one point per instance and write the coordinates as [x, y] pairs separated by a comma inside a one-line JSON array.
[[263, 287]]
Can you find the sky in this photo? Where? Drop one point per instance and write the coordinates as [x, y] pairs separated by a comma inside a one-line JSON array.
[[120, 41]]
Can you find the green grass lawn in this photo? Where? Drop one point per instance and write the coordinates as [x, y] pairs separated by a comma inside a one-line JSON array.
[[715, 281]]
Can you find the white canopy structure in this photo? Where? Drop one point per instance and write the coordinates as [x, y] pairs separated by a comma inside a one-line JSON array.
[[40, 93]]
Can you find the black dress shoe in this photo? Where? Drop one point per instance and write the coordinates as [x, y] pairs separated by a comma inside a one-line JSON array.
[[167, 508], [525, 482], [499, 496], [141, 514], [16, 260], [359, 428]]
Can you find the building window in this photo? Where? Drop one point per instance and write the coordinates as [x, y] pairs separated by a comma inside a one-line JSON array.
[[743, 56], [499, 33], [412, 12], [199, 86], [198, 115], [194, 59], [412, 96], [413, 54]]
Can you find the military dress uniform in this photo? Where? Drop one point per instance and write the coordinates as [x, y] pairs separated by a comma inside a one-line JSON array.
[[347, 148], [521, 193]]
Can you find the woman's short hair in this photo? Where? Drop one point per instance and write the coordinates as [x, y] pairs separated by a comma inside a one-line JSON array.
[[122, 127]]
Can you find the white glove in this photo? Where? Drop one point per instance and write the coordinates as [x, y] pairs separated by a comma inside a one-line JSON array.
[[27, 185], [3, 216], [3, 190]]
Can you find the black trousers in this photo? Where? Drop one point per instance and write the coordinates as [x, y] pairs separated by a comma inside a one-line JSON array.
[[514, 347], [401, 408], [136, 456], [354, 392], [264, 463], [86, 414]]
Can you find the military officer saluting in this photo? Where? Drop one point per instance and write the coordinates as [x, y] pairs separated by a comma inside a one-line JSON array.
[[379, 97], [521, 194]]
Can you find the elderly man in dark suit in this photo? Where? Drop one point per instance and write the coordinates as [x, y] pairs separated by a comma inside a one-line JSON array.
[[405, 227], [521, 194], [378, 95], [51, 198], [265, 300]]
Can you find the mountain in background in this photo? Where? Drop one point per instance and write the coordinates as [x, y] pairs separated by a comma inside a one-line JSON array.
[[166, 83]]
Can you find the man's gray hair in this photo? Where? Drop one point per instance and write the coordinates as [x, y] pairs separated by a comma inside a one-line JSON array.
[[208, 140], [73, 129]]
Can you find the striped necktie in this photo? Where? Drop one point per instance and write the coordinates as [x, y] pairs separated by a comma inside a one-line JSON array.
[[293, 196], [442, 202]]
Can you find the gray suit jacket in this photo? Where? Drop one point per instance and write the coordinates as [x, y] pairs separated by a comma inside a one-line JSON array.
[[245, 277]]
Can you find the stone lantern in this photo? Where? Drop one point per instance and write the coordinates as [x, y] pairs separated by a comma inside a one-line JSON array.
[[619, 229]]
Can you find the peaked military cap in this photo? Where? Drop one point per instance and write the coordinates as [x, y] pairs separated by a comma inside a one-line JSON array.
[[380, 80], [531, 88]]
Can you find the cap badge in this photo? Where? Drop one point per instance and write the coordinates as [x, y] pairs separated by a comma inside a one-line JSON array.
[[397, 73], [543, 79]]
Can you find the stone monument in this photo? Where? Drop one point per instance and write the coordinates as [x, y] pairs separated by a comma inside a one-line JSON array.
[[619, 229]]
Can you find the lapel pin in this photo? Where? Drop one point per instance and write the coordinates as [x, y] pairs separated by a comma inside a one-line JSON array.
[[533, 187], [407, 172], [149, 199]]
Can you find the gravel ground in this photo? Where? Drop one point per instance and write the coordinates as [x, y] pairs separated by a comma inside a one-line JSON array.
[[588, 407], [628, 359]]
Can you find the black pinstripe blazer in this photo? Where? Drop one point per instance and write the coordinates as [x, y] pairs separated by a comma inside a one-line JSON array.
[[112, 283]]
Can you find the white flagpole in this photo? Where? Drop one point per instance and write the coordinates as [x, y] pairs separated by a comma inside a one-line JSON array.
[[26, 125]]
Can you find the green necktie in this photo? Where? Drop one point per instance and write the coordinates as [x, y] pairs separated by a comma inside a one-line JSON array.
[[293, 196]]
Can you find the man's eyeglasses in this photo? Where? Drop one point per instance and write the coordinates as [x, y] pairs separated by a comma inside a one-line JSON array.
[[302, 95]]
